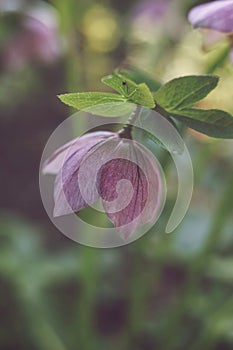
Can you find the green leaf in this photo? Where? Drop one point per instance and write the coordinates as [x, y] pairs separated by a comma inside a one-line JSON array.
[[183, 92], [212, 122], [105, 104], [120, 83], [82, 100], [136, 93], [115, 109], [140, 76], [143, 96]]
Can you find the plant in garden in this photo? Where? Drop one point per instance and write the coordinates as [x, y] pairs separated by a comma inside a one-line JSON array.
[[216, 16], [112, 157]]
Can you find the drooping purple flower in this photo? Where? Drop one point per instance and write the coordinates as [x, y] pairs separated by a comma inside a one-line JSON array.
[[217, 15], [119, 171]]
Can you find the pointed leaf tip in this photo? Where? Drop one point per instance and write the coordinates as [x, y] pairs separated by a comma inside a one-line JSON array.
[[183, 92]]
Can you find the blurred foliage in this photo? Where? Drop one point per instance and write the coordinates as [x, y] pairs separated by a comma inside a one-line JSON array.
[[160, 292]]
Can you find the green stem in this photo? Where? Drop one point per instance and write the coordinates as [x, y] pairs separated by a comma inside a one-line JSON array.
[[85, 310], [44, 334], [126, 131], [140, 287], [82, 330], [165, 114], [207, 337], [222, 212], [218, 61]]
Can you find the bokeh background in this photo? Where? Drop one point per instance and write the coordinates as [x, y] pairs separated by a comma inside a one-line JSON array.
[[161, 292]]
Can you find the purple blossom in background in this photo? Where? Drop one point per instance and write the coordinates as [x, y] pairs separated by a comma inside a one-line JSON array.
[[151, 10], [156, 17], [119, 171], [217, 16], [37, 39]]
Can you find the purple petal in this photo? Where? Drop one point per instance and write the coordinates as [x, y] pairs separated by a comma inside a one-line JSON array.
[[67, 195], [151, 9], [110, 175], [54, 163], [216, 15]]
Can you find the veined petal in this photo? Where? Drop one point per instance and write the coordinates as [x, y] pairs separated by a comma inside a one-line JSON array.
[[53, 164], [216, 15], [67, 195], [110, 179]]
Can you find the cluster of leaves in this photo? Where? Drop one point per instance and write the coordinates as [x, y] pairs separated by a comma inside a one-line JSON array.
[[175, 99]]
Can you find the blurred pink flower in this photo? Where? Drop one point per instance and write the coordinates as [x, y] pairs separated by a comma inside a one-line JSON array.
[[37, 39], [152, 10], [217, 17], [156, 16], [104, 165]]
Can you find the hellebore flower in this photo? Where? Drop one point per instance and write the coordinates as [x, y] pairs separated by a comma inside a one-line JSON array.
[[217, 17], [119, 171]]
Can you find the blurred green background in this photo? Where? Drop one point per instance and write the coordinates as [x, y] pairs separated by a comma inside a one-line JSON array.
[[161, 292]]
